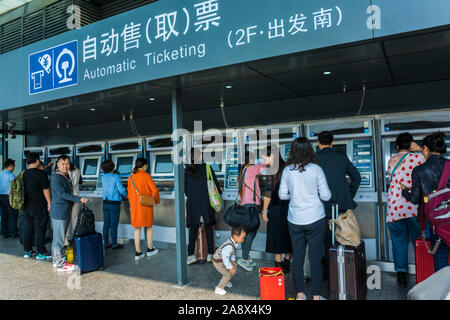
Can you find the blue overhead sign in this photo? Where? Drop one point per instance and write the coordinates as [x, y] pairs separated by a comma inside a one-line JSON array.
[[53, 68]]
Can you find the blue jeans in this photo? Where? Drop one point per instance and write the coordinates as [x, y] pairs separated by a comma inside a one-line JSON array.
[[401, 232], [111, 215]]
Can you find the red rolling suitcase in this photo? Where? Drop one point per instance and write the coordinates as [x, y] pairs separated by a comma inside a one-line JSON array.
[[424, 256], [424, 260], [348, 273]]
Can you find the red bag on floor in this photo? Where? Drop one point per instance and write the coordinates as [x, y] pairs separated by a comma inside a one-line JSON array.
[[424, 260], [271, 282]]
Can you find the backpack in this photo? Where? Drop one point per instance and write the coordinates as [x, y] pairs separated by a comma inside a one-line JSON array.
[[85, 223], [17, 193], [436, 206]]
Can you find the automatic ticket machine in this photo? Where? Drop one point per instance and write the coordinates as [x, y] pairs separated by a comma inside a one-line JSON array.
[[90, 156], [418, 125], [124, 154], [55, 151], [220, 151], [354, 137], [162, 169], [281, 136]]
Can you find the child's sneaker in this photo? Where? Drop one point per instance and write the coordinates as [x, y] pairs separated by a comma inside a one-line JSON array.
[[139, 256], [66, 268], [43, 256], [209, 258], [191, 259], [229, 285], [251, 263], [27, 255], [151, 252], [244, 264], [220, 291]]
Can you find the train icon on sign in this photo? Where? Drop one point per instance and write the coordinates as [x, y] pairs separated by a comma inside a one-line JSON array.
[[53, 68]]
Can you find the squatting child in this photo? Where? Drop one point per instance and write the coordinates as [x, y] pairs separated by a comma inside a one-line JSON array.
[[224, 259]]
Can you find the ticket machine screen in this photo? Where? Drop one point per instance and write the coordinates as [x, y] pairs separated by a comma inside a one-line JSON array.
[[124, 165], [217, 167], [90, 167]]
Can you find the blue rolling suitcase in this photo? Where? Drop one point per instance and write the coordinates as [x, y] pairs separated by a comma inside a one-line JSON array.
[[88, 252]]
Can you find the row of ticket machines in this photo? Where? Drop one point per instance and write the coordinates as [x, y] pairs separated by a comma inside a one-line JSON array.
[[356, 137]]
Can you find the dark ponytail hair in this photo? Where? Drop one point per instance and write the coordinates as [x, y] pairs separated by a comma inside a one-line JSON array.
[[140, 162], [302, 154], [435, 142], [281, 163]]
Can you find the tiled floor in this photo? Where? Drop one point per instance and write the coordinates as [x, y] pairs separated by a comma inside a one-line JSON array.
[[150, 278]]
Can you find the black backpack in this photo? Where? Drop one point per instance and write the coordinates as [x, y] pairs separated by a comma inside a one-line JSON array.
[[85, 223]]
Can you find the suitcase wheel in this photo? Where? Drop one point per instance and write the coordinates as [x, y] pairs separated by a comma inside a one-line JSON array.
[[201, 261]]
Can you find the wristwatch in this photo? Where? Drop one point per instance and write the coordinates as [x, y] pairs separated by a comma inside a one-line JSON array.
[[264, 211]]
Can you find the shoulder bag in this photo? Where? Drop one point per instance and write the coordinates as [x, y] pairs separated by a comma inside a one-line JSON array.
[[215, 199], [245, 215]]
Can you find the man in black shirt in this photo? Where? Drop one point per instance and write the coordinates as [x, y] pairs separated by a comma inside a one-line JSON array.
[[37, 205]]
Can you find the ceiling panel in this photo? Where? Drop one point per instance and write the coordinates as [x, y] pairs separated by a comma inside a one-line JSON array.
[[418, 43], [327, 57], [420, 59], [422, 74]]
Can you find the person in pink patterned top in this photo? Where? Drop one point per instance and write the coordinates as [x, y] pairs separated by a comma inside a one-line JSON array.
[[402, 214]]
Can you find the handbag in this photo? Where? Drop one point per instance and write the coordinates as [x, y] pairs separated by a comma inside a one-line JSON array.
[[245, 215], [347, 231], [214, 196], [144, 200]]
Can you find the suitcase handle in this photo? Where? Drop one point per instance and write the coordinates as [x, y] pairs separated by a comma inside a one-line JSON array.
[[334, 214]]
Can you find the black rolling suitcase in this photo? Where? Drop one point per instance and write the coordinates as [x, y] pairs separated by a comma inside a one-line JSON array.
[[348, 273]]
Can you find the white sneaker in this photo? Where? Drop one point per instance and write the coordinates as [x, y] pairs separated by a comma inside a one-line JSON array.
[[191, 259], [229, 285], [209, 258], [67, 267], [152, 252], [139, 256], [220, 291]]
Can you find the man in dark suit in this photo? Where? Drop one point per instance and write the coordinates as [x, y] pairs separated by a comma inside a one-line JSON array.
[[336, 166]]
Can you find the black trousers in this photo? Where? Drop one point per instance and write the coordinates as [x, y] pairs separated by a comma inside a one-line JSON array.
[[193, 231], [9, 217], [310, 235], [35, 220]]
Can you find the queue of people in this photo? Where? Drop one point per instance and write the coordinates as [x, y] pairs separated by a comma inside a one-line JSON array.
[[295, 202], [55, 203], [309, 183]]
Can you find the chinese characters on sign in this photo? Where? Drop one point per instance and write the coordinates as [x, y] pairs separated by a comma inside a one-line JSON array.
[[296, 24], [160, 27]]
